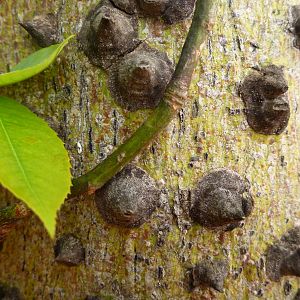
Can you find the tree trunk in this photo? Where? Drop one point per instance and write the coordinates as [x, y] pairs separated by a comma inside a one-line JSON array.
[[210, 132]]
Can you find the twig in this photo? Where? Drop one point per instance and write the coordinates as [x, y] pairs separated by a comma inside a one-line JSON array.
[[9, 216], [173, 100]]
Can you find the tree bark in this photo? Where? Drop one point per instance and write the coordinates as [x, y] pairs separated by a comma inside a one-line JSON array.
[[210, 132]]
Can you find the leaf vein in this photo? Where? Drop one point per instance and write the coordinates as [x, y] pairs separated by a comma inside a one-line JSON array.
[[19, 162]]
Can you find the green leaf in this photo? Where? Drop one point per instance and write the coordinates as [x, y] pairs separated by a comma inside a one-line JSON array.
[[34, 164], [33, 64]]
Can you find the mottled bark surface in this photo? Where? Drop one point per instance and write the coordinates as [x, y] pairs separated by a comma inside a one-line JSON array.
[[211, 131]]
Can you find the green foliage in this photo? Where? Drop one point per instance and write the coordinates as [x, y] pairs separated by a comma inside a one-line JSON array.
[[33, 64], [34, 164]]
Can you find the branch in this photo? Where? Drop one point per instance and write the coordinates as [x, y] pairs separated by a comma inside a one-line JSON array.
[[173, 100], [9, 216]]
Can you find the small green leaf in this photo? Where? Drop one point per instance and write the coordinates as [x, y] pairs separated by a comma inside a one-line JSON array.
[[33, 64], [34, 164]]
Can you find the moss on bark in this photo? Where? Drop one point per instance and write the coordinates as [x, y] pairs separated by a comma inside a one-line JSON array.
[[150, 262]]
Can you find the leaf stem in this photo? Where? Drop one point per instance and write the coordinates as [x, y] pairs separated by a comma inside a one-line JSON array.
[[9, 216], [173, 100]]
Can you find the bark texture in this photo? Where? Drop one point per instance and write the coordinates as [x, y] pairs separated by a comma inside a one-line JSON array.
[[210, 132]]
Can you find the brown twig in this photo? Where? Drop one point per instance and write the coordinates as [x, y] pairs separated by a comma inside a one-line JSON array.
[[9, 217]]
